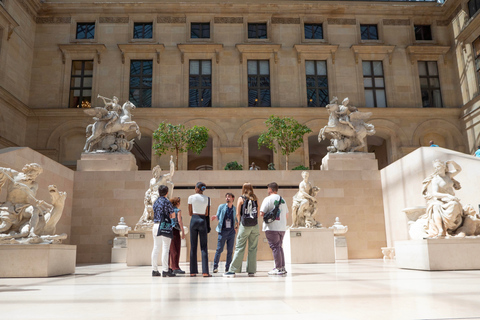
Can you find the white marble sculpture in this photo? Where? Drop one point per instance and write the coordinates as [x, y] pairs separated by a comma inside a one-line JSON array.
[[121, 229], [346, 127], [151, 195], [24, 218], [113, 124], [304, 206], [444, 216]]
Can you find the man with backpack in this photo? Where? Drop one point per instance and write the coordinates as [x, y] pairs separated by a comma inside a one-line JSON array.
[[275, 230], [247, 214]]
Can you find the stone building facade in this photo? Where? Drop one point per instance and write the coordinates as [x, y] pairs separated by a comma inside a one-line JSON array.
[[230, 65]]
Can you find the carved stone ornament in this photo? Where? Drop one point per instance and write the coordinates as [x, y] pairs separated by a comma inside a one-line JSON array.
[[304, 205]]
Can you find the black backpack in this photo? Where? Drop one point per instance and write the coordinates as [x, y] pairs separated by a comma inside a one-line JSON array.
[[249, 213], [272, 215]]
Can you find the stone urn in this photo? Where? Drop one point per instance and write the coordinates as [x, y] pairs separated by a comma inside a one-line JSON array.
[[121, 230], [338, 228]]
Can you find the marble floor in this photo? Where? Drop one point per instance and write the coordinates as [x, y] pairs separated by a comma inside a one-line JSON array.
[[357, 289]]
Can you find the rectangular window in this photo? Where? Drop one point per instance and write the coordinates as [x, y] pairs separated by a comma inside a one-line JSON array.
[[429, 84], [369, 31], [142, 30], [473, 7], [476, 53], [423, 32], [200, 30], [141, 83], [257, 31], [200, 83], [374, 84], [258, 83], [317, 83], [81, 84], [86, 30], [313, 30]]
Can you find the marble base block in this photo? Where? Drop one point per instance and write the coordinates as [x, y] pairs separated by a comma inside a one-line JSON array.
[[438, 254], [120, 242], [349, 161], [107, 162], [305, 245], [139, 251], [37, 260], [119, 255], [341, 249]]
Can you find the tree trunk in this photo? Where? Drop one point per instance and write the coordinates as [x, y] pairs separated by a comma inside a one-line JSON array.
[[176, 158], [286, 161]]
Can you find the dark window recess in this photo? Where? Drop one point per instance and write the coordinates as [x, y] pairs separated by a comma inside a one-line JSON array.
[[430, 84], [423, 32], [200, 30], [140, 92], [317, 83], [200, 83], [476, 53], [258, 83], [374, 84], [257, 31], [81, 84], [86, 30], [473, 7], [313, 31], [369, 32], [143, 30]]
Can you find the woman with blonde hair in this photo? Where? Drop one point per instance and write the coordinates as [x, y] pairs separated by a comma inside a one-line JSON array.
[[247, 214]]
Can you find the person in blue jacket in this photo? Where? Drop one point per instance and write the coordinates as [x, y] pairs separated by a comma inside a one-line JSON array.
[[226, 228]]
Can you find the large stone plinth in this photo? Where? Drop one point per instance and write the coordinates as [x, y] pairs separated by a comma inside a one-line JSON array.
[[305, 245], [37, 260], [107, 162], [349, 161], [139, 251], [438, 254]]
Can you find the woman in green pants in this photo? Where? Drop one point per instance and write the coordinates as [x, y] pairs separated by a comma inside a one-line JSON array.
[[247, 214]]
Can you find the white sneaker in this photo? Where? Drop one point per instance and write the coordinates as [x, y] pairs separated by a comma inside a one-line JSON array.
[[283, 271], [275, 272]]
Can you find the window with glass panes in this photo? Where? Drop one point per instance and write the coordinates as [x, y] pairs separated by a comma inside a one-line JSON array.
[[473, 7], [374, 84], [86, 30], [200, 30], [142, 30], [476, 53], [369, 32], [423, 32], [430, 84], [313, 30], [317, 83], [140, 92], [200, 83], [257, 31], [258, 83], [81, 84]]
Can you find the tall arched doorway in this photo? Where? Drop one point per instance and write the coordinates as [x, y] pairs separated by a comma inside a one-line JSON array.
[[142, 150], [316, 151], [202, 161], [262, 157], [378, 146]]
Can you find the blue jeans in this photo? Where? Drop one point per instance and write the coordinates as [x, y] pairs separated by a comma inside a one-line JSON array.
[[226, 236], [198, 229]]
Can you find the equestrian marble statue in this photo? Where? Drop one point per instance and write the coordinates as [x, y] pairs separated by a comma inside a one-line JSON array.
[[346, 127], [24, 218], [113, 127]]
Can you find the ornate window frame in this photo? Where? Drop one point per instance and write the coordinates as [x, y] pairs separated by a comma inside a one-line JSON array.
[[73, 29], [145, 19]]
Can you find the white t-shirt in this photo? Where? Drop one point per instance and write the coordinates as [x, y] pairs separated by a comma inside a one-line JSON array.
[[267, 205], [199, 203]]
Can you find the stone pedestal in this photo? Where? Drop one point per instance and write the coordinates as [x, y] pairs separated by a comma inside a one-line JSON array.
[[305, 245], [107, 162], [438, 254], [341, 249], [139, 251], [119, 255], [349, 161], [37, 260]]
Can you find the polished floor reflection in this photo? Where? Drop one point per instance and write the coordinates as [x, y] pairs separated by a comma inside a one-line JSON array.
[[357, 289]]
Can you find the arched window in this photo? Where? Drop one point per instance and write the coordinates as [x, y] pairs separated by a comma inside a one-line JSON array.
[[202, 161], [262, 157]]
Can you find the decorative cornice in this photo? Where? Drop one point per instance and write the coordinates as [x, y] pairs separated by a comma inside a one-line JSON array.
[[170, 19], [200, 48], [156, 49], [359, 50], [259, 48], [315, 49], [113, 20], [53, 20], [337, 21], [427, 52], [231, 20], [443, 23], [31, 7], [13, 102], [81, 48], [396, 22], [285, 20], [470, 31], [12, 24]]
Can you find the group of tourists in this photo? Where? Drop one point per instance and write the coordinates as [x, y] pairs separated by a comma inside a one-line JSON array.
[[241, 221]]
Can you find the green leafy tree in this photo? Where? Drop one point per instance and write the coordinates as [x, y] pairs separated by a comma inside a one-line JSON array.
[[286, 132], [169, 137], [234, 165]]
